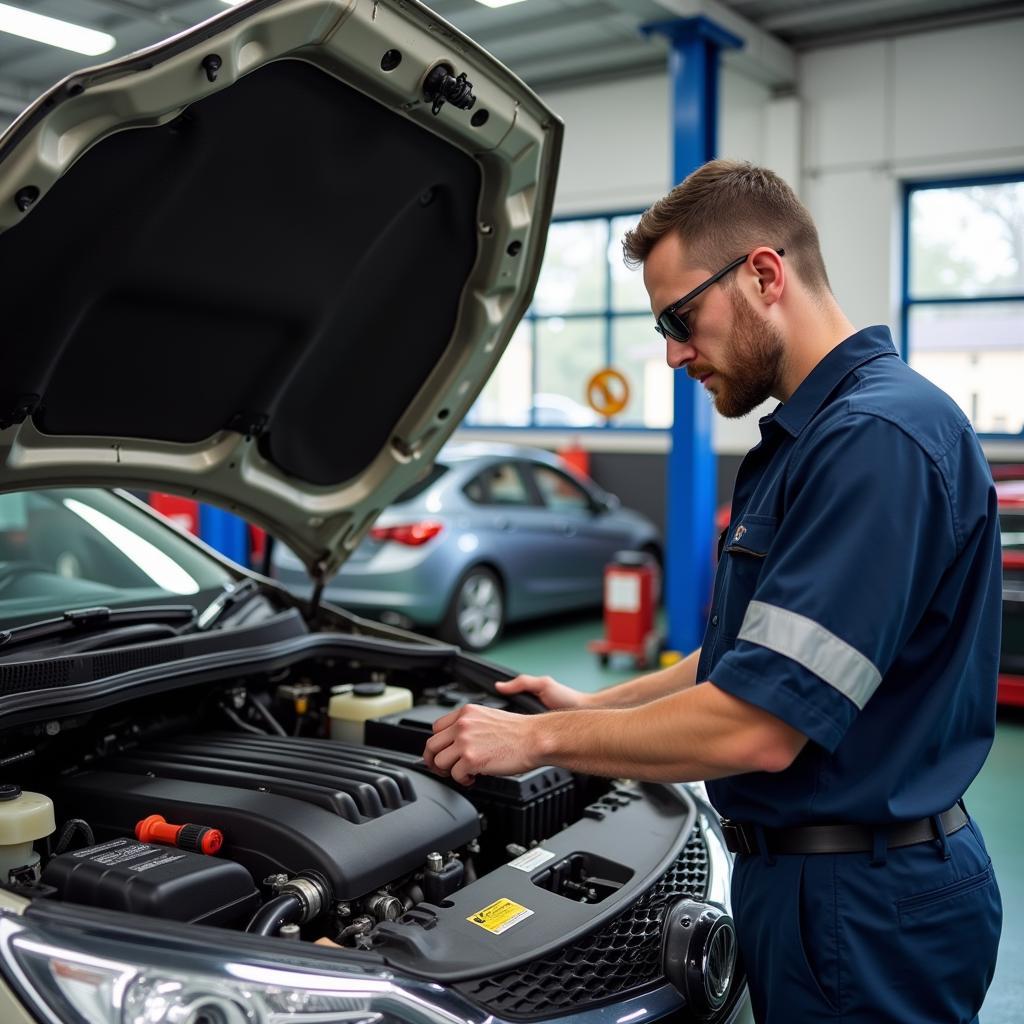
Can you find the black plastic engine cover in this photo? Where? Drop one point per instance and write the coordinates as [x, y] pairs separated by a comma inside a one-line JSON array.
[[283, 804]]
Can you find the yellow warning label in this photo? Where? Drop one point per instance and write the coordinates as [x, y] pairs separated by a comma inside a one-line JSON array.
[[500, 916]]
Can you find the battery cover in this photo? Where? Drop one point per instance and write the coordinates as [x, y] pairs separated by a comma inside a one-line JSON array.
[[158, 881]]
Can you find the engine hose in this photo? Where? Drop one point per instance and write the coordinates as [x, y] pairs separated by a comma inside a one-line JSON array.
[[67, 834], [240, 722], [274, 724], [288, 908]]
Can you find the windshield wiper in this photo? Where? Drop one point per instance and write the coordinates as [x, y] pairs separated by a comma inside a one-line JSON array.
[[81, 621], [233, 595]]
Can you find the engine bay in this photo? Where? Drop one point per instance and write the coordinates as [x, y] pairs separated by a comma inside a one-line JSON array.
[[295, 803]]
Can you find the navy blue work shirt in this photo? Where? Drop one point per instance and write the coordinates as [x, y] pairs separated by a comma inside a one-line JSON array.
[[858, 596]]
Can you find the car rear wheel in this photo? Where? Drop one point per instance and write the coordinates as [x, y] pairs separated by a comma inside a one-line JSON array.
[[476, 615]]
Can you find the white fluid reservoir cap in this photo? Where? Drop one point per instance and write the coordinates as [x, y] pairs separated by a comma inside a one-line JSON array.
[[24, 817]]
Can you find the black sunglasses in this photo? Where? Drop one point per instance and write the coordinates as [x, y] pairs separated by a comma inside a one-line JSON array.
[[669, 324]]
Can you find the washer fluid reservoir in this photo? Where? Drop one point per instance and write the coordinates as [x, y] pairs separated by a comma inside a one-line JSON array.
[[24, 818], [348, 711]]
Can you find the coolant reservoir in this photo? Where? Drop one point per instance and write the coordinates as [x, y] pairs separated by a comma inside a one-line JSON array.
[[348, 711], [24, 818]]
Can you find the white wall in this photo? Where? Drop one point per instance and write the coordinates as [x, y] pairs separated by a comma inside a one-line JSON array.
[[865, 118], [618, 134], [617, 157], [877, 114]]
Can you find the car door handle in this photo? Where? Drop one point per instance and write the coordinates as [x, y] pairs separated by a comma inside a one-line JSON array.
[[568, 529], [504, 524]]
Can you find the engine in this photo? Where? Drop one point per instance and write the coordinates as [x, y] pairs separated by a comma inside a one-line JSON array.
[[283, 805], [296, 804], [262, 830]]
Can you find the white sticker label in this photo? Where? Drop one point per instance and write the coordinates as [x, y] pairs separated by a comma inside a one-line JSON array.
[[531, 859], [622, 592], [167, 858], [117, 851]]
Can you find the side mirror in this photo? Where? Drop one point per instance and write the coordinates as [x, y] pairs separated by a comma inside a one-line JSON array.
[[608, 503]]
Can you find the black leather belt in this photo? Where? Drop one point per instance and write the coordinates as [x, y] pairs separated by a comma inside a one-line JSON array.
[[741, 838]]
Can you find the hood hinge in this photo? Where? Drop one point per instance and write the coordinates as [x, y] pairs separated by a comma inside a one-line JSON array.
[[252, 424], [23, 407]]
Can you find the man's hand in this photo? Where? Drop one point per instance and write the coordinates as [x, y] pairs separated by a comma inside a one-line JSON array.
[[700, 732], [553, 695], [475, 740]]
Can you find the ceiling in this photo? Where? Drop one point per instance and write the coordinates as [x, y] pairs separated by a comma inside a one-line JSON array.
[[546, 42]]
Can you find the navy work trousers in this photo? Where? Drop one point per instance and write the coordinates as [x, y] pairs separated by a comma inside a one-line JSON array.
[[834, 937]]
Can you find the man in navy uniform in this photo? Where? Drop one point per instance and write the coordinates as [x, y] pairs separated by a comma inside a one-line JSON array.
[[844, 696]]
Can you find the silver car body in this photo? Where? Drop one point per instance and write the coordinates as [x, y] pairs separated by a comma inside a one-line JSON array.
[[548, 555]]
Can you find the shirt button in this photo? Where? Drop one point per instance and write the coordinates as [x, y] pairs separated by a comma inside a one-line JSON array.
[[714, 620]]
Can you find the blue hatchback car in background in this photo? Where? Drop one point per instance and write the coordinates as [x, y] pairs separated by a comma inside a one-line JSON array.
[[492, 534]]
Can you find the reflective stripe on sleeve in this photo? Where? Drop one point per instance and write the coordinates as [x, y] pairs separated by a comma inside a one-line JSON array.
[[818, 650]]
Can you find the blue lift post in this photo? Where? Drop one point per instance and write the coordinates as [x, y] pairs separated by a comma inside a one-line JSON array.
[[225, 532], [693, 70]]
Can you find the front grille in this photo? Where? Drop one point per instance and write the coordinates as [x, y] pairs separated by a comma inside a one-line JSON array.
[[610, 963]]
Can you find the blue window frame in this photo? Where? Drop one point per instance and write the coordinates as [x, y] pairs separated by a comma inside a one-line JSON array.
[[963, 294], [589, 312]]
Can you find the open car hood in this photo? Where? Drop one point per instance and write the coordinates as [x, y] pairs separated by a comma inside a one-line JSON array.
[[256, 264]]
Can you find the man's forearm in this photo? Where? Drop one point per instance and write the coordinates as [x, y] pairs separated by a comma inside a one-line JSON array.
[[699, 733], [644, 689]]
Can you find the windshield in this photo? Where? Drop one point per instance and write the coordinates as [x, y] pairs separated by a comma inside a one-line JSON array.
[[81, 547]]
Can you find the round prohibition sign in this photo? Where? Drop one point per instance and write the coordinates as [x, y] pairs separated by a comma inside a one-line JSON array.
[[608, 392]]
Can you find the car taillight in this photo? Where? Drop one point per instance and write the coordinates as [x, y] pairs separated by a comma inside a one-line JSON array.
[[412, 534]]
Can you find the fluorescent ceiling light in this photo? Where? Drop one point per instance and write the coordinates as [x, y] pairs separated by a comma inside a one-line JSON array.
[[498, 3], [54, 32]]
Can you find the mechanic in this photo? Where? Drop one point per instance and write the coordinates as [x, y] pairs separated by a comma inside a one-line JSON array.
[[847, 678]]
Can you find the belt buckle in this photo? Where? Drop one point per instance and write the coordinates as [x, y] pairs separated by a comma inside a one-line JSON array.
[[736, 836]]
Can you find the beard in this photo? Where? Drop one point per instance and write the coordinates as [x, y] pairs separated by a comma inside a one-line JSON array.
[[755, 359]]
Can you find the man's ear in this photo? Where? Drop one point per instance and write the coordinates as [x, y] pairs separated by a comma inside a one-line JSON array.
[[769, 269]]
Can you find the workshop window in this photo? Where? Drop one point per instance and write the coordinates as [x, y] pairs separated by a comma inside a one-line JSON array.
[[589, 312], [963, 295]]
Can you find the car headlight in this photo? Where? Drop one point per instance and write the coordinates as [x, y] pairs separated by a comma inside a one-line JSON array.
[[86, 978]]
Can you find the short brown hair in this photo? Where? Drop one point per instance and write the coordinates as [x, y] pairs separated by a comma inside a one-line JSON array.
[[727, 208]]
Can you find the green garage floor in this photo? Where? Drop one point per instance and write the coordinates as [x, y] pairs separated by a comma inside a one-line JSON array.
[[559, 650]]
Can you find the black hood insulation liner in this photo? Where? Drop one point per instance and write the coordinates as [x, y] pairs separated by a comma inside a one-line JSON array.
[[287, 253]]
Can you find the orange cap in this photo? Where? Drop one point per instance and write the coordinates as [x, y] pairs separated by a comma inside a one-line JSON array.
[[202, 839]]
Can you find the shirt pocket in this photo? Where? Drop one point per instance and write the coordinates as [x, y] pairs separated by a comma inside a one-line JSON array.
[[746, 548]]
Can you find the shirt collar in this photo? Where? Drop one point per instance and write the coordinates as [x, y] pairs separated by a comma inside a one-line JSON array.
[[808, 398]]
